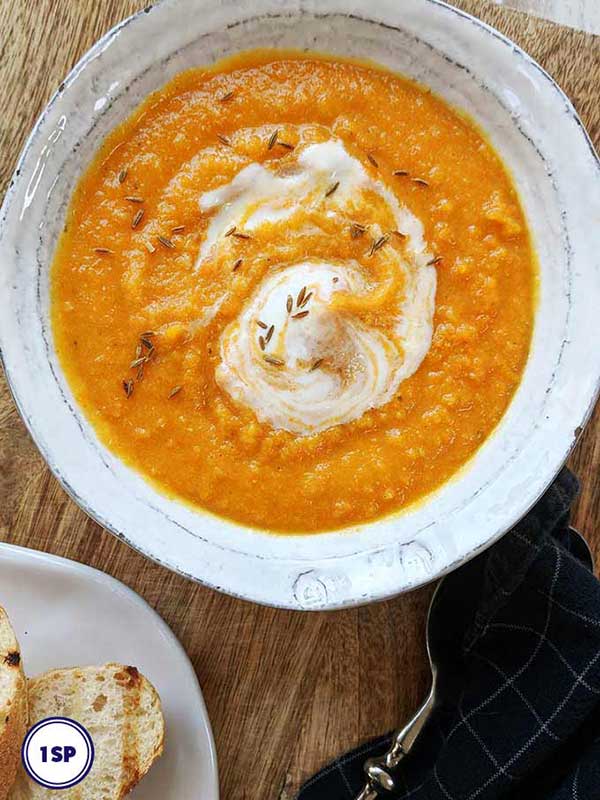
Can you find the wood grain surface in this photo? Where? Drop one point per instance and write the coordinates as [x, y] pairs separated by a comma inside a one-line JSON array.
[[581, 14], [285, 691]]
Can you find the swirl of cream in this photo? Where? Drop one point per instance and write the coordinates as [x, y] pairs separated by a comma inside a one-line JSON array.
[[300, 360]]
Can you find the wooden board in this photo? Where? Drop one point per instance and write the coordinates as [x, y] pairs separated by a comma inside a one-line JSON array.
[[285, 691], [581, 14]]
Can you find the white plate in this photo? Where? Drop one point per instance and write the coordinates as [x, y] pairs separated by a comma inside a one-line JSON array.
[[66, 614], [540, 137]]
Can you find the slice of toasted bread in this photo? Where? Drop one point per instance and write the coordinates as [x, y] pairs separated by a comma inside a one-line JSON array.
[[120, 709], [13, 705]]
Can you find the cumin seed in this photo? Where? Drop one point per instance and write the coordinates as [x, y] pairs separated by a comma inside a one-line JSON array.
[[223, 139], [401, 173], [332, 189], [240, 235], [178, 229], [134, 199], [286, 145], [230, 231], [261, 342], [373, 160], [435, 261], [123, 176], [137, 219], [290, 303], [301, 295], [379, 243], [420, 181], [128, 388], [269, 335], [316, 365], [166, 242], [147, 334], [276, 362], [237, 265], [300, 315], [136, 362], [306, 299], [262, 324], [103, 251], [227, 96], [175, 390], [273, 139]]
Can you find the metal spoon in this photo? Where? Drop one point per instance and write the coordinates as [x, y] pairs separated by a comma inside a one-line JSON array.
[[581, 548], [439, 637], [378, 769]]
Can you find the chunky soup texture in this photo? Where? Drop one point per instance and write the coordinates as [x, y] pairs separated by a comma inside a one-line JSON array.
[[295, 292]]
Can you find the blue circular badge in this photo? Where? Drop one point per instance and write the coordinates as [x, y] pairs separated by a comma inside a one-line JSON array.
[[58, 752]]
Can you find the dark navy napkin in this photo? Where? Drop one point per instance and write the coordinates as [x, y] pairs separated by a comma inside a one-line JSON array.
[[522, 677]]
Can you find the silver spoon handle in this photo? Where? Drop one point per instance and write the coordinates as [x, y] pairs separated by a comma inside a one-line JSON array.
[[378, 769]]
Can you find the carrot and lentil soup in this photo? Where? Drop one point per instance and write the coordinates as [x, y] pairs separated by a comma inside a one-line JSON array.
[[295, 291]]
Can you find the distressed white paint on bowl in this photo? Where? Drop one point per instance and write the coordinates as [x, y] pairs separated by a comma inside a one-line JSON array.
[[536, 130]]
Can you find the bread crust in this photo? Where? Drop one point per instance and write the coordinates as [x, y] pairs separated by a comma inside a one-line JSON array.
[[131, 705], [13, 705]]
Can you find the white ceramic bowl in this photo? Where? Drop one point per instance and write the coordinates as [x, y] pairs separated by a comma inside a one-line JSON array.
[[536, 130]]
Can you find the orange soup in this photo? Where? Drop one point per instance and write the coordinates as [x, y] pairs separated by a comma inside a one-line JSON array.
[[294, 291]]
